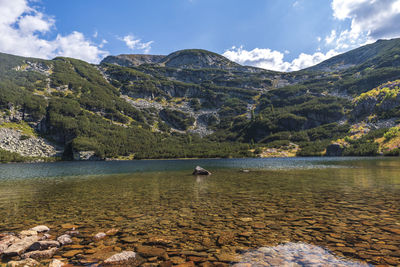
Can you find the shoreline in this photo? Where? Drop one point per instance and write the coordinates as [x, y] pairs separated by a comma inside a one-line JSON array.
[[161, 159]]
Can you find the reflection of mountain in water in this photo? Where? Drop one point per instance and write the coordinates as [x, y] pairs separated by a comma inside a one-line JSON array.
[[295, 254]]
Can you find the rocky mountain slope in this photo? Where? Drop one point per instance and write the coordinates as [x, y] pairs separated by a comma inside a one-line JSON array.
[[195, 103]]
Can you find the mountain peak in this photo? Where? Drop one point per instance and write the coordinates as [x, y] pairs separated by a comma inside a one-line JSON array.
[[198, 59]]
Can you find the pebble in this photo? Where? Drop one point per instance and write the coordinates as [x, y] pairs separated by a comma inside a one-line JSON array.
[[99, 236], [56, 263]]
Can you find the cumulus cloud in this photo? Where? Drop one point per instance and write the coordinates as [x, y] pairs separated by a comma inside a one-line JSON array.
[[136, 44], [274, 60], [370, 20], [22, 28]]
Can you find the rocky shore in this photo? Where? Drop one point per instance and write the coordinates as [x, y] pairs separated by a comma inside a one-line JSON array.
[[28, 146], [39, 246]]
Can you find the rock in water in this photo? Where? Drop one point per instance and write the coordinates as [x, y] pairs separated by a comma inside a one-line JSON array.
[[99, 236], [20, 246], [40, 228], [200, 171], [23, 263], [56, 263], [126, 258], [64, 239]]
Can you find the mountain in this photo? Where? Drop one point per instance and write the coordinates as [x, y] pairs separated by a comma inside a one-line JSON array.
[[383, 53], [196, 103], [133, 60]]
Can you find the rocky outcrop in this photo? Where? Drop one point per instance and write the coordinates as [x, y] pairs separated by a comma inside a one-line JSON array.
[[85, 155], [379, 100], [132, 60], [29, 146]]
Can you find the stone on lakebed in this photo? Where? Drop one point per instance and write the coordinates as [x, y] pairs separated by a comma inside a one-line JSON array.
[[128, 258]]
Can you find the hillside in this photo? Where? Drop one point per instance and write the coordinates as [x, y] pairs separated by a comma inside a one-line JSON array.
[[195, 103]]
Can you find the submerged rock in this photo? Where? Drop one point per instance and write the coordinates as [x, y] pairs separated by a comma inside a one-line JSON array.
[[40, 254], [43, 245], [20, 246], [200, 171], [40, 228], [56, 263], [126, 258], [99, 236], [23, 263], [64, 239]]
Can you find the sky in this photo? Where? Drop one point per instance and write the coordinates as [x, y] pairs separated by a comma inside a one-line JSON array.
[[283, 35]]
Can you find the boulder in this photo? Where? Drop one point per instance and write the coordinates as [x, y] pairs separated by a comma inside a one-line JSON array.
[[20, 246], [126, 258], [200, 171], [6, 241]]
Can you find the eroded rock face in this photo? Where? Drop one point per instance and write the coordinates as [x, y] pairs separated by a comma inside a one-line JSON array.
[[132, 60]]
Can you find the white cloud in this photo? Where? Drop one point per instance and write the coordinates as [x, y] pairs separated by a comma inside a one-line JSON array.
[[370, 20], [136, 44], [22, 28], [274, 60], [330, 38]]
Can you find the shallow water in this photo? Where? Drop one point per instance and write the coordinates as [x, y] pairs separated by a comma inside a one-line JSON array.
[[349, 206]]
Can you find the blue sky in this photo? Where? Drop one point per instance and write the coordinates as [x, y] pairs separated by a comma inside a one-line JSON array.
[[274, 34]]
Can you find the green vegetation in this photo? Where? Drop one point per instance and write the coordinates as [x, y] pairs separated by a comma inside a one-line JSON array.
[[22, 126], [84, 107]]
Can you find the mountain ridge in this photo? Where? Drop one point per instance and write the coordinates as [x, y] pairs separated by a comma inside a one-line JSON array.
[[195, 103]]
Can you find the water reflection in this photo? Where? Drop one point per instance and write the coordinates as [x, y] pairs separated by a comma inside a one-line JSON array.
[[296, 254]]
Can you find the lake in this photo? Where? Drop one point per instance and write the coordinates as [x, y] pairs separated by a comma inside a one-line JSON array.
[[304, 211]]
